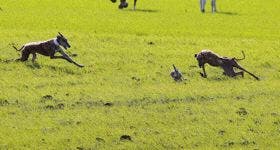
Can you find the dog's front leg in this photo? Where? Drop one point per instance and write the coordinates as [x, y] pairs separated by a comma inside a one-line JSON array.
[[65, 56], [204, 75], [60, 57]]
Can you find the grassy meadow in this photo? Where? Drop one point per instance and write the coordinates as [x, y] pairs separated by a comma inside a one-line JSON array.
[[125, 87]]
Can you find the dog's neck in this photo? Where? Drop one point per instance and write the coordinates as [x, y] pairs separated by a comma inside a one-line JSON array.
[[55, 42]]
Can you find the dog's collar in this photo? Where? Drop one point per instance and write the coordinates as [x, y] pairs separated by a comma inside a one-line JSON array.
[[56, 42]]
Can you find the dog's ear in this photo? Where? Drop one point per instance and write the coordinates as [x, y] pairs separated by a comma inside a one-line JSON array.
[[60, 34], [195, 55]]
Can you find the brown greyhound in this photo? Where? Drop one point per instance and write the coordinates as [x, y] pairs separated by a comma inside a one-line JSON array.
[[47, 48], [227, 64]]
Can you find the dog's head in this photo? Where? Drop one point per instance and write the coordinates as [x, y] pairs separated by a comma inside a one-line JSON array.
[[62, 41], [199, 57]]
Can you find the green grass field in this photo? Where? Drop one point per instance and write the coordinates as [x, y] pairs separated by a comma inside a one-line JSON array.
[[55, 105]]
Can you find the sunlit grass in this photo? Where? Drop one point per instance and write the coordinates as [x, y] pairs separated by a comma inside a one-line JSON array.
[[125, 88]]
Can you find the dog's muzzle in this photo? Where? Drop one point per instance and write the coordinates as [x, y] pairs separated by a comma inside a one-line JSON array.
[[67, 46]]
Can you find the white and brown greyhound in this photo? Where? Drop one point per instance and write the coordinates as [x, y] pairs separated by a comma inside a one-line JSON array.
[[47, 48]]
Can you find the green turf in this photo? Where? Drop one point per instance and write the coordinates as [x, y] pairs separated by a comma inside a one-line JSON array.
[[123, 69]]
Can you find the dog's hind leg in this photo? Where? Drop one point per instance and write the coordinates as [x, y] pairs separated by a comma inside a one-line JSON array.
[[257, 78], [233, 74], [228, 65], [241, 68], [241, 73], [228, 70], [34, 56]]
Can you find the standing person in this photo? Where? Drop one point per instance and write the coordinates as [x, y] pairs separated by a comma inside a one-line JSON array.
[[202, 5]]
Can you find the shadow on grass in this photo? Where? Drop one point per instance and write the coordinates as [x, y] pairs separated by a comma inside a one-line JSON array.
[[6, 61], [27, 63], [142, 10], [224, 13], [36, 65], [61, 69], [227, 13], [224, 78], [33, 65]]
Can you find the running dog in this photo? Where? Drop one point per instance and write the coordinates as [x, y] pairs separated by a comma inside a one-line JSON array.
[[227, 64], [47, 48]]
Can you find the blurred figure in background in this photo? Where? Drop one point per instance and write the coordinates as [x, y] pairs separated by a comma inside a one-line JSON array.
[[202, 5]]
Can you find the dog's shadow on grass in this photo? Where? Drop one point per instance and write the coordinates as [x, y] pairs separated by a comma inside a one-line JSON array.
[[143, 10], [36, 65], [7, 61], [28, 64], [33, 65], [51, 68], [224, 78], [61, 69]]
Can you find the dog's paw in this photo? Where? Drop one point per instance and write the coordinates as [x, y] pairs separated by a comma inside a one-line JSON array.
[[202, 75], [120, 6], [81, 66], [125, 5]]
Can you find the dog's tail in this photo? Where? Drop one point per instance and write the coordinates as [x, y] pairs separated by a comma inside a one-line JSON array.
[[175, 69], [17, 49], [237, 59]]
